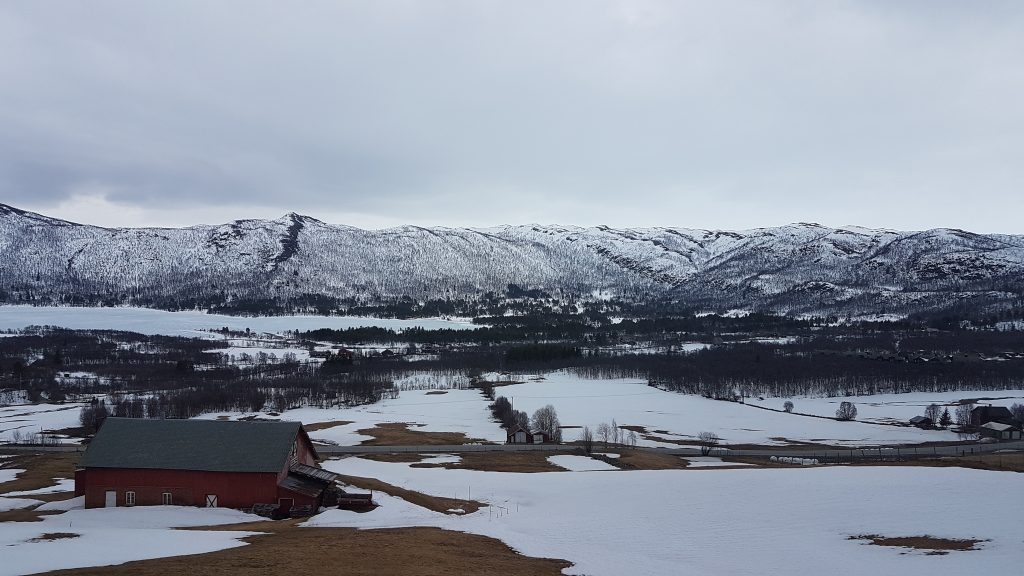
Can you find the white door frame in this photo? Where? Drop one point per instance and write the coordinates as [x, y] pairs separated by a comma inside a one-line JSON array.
[[110, 499]]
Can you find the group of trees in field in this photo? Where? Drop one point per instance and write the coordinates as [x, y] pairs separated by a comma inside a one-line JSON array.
[[939, 415], [92, 415], [509, 418], [609, 434], [846, 411], [544, 419]]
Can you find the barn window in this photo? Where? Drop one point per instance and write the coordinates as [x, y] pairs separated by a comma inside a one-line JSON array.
[[167, 499], [129, 498]]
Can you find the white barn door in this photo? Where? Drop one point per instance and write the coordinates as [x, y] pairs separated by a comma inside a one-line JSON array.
[[111, 499], [211, 500]]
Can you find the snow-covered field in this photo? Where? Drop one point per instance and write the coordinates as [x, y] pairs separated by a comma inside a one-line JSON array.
[[736, 522], [105, 536], [631, 402], [892, 407], [576, 463], [7, 504], [454, 411], [191, 323], [27, 419]]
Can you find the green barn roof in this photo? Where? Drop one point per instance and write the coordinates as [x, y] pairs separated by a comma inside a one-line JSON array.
[[207, 445]]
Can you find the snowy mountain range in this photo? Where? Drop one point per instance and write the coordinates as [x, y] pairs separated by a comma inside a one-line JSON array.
[[798, 268]]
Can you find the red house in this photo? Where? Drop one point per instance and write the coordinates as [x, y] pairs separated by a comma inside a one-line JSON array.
[[520, 435], [140, 462]]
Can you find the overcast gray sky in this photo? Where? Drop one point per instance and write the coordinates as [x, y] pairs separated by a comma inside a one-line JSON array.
[[708, 114]]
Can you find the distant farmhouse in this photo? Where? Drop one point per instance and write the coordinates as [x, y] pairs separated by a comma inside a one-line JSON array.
[[996, 422], [246, 465], [985, 414], [520, 435]]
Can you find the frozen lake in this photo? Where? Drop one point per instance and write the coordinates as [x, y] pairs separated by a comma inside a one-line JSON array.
[[188, 323]]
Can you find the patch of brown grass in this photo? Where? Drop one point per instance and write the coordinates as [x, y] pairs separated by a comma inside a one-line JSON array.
[[55, 536], [24, 515], [325, 425], [500, 462], [53, 496], [40, 470], [644, 460], [399, 434], [72, 432], [1011, 462], [435, 503], [330, 551], [932, 544]]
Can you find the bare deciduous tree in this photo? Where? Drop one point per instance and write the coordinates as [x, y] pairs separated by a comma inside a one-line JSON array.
[[521, 419], [587, 439], [91, 416], [963, 419], [846, 411], [707, 441], [546, 420], [788, 406], [1018, 412], [604, 432], [933, 412]]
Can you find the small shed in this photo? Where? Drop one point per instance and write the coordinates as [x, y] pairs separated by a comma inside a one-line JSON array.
[[921, 422], [541, 438], [999, 431]]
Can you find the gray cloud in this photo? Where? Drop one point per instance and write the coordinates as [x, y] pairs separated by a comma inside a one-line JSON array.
[[702, 114]]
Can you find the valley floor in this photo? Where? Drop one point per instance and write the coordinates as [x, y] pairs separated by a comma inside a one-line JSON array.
[[594, 519], [619, 512], [708, 521]]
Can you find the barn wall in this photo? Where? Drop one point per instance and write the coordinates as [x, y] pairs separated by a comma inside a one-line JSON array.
[[189, 488], [303, 455], [305, 451]]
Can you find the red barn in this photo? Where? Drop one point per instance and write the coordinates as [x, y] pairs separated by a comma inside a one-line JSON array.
[[140, 462]]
